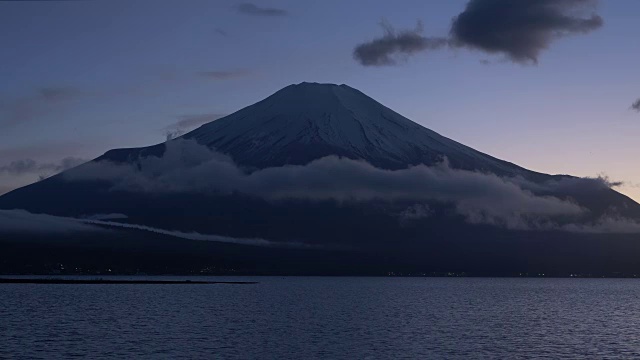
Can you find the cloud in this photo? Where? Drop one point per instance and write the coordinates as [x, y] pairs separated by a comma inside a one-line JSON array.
[[23, 222], [636, 105], [58, 93], [224, 74], [189, 167], [190, 235], [26, 166], [221, 32], [254, 10], [188, 123], [103, 217], [20, 221], [568, 184], [522, 29], [606, 181], [43, 101], [414, 212], [392, 45], [606, 225]]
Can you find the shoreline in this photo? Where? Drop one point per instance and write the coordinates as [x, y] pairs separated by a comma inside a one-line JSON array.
[[119, 282]]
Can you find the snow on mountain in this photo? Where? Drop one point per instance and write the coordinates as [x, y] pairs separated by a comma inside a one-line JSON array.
[[295, 126], [307, 121]]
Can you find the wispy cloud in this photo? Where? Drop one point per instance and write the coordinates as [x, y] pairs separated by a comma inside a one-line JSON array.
[[184, 235], [189, 122], [23, 222], [387, 49], [59, 93], [636, 105], [44, 100], [224, 74], [221, 32], [254, 10], [26, 166], [187, 166]]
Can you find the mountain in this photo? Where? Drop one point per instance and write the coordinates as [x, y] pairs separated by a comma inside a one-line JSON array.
[[323, 178], [307, 121]]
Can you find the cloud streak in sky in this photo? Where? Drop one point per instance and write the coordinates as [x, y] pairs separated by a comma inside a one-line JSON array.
[[522, 29], [254, 10], [636, 105], [221, 32], [43, 101], [195, 235], [224, 74], [386, 50]]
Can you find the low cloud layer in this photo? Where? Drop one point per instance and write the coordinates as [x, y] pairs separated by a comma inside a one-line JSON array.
[[189, 167], [30, 166], [189, 122], [520, 30], [196, 236], [23, 222], [606, 225], [394, 45], [254, 10]]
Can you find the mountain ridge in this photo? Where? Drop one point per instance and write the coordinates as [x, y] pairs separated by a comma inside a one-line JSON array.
[[308, 121], [302, 130]]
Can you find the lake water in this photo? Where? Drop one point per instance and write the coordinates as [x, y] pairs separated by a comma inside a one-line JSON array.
[[316, 317]]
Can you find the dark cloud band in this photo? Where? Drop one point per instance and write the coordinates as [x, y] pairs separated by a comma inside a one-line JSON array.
[[518, 29], [521, 29], [636, 105], [254, 10]]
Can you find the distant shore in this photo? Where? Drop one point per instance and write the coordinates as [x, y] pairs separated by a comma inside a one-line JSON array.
[[103, 281]]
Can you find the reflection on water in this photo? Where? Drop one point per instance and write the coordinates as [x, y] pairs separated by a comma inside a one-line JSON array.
[[308, 317]]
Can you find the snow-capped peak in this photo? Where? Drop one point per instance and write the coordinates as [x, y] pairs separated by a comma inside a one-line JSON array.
[[307, 121]]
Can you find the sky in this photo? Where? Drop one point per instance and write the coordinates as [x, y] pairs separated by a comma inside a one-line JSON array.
[[78, 78]]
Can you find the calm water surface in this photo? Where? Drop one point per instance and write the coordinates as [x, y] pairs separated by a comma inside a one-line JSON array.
[[307, 317]]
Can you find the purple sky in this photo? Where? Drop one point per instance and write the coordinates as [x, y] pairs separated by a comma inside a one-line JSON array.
[[78, 78]]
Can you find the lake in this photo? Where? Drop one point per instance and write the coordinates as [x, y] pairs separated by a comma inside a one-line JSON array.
[[325, 317]]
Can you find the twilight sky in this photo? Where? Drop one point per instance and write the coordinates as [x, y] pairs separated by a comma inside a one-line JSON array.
[[78, 78]]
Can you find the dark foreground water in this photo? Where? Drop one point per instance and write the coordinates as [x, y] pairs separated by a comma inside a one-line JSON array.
[[306, 317]]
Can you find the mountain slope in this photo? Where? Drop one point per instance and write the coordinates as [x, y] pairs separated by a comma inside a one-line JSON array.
[[295, 126], [479, 214], [307, 121]]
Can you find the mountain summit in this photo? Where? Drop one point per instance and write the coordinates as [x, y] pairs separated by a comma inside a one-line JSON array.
[[308, 121]]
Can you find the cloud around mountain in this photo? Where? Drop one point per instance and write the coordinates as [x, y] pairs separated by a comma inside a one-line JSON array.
[[20, 221], [481, 198]]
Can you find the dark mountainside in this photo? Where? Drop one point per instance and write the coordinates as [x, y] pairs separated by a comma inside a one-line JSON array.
[[295, 126]]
